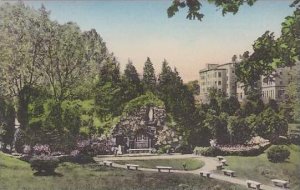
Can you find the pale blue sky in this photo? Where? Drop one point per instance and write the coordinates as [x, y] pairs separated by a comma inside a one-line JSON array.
[[137, 29]]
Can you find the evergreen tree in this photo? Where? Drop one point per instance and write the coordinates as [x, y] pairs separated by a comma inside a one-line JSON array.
[[149, 78], [131, 83]]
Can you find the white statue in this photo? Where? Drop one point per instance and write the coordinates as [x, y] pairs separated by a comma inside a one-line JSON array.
[[119, 150]]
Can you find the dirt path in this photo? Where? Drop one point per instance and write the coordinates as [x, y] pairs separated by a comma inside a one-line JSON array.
[[210, 165]]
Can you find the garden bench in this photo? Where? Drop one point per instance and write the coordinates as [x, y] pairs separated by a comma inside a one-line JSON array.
[[132, 166], [107, 163], [228, 172], [219, 167], [205, 174], [281, 183], [255, 183], [164, 168], [140, 150], [223, 162], [220, 157]]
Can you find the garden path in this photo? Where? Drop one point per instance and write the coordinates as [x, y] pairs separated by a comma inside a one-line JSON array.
[[210, 165]]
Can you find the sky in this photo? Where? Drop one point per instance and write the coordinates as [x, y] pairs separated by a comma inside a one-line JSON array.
[[137, 29]]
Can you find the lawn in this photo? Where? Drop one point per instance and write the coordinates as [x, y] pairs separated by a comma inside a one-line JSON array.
[[260, 169], [17, 175], [177, 164]]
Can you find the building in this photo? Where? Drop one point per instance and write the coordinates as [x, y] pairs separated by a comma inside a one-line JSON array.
[[221, 77]]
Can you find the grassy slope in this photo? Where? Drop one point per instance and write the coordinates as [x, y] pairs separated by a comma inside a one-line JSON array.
[[191, 164], [260, 169], [16, 174]]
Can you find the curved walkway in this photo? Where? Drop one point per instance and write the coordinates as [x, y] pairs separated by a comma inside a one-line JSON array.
[[210, 165]]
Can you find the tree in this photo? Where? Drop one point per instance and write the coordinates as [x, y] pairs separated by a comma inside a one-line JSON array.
[[21, 51], [218, 127], [239, 130], [233, 105], [271, 125], [132, 87], [108, 98], [194, 7], [194, 87], [273, 105], [149, 78], [7, 127]]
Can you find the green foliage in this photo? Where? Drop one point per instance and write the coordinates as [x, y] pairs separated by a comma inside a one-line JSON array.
[[7, 118], [271, 125], [218, 127], [194, 7], [44, 164], [145, 100], [208, 151], [131, 84], [278, 153], [149, 78], [194, 87], [239, 130]]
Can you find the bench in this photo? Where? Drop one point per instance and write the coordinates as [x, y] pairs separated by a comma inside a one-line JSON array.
[[228, 172], [281, 183], [107, 163], [140, 150], [160, 168], [219, 167], [205, 174], [220, 157], [223, 162], [132, 166], [255, 183]]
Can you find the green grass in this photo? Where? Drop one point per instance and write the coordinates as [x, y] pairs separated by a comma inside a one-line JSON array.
[[17, 175], [294, 126], [261, 169], [177, 164]]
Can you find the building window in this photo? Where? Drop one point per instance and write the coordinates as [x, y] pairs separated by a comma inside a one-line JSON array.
[[219, 83], [232, 71], [219, 74], [280, 82]]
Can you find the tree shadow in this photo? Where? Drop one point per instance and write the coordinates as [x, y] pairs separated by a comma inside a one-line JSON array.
[[48, 174]]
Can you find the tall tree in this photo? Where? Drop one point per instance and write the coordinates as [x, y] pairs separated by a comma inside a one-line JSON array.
[[149, 78], [132, 87], [21, 52]]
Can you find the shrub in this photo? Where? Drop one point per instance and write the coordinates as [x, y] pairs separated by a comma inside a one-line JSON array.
[[278, 153], [184, 149], [46, 164], [208, 151], [164, 149], [41, 149]]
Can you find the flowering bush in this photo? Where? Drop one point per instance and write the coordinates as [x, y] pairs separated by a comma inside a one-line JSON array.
[[44, 163], [41, 149]]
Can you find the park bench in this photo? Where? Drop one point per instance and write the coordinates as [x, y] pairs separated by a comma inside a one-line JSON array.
[[255, 183], [132, 166], [107, 163], [205, 174], [219, 167], [140, 150], [220, 158], [228, 172], [223, 162], [160, 168], [281, 183]]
